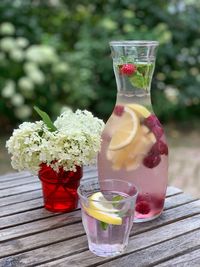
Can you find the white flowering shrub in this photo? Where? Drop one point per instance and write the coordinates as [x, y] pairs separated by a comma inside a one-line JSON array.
[[75, 142], [36, 74]]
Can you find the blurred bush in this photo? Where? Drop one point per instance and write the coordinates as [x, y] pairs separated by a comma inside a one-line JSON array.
[[56, 52]]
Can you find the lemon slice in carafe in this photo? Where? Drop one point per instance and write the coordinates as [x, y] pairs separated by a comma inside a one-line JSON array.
[[127, 128], [140, 110]]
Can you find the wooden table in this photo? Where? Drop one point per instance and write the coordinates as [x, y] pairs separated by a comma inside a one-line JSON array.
[[32, 236]]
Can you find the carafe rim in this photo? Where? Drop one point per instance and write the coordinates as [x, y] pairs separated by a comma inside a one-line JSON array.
[[134, 43]]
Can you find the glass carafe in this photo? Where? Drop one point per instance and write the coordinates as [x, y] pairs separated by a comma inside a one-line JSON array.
[[134, 146]]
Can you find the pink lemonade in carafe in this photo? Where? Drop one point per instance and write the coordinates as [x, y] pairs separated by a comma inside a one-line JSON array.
[[133, 146]]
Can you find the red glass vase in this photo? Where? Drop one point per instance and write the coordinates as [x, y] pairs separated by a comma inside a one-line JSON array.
[[60, 188]]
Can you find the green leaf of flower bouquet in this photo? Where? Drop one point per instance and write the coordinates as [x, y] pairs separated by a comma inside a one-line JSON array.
[[103, 225], [46, 119]]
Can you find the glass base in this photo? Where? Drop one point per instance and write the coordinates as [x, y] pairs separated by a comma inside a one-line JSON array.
[[147, 219], [106, 250]]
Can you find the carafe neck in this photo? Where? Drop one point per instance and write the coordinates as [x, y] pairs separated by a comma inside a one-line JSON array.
[[133, 64], [124, 98]]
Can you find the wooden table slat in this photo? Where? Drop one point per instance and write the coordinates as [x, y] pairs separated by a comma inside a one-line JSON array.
[[26, 196], [17, 190], [27, 216], [171, 190], [14, 176], [191, 259], [17, 182], [176, 200], [21, 207]]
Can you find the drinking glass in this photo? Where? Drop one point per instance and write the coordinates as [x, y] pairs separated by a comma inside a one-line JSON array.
[[107, 214]]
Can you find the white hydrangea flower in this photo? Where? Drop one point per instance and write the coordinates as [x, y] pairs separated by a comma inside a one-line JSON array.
[[23, 112], [26, 84], [77, 121], [76, 142], [30, 66], [60, 67], [22, 42], [7, 44], [9, 89], [7, 28], [41, 54], [24, 145], [36, 76], [17, 100], [17, 55], [172, 94]]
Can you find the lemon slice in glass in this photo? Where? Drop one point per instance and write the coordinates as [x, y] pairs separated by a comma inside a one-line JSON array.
[[126, 131], [100, 209], [140, 110]]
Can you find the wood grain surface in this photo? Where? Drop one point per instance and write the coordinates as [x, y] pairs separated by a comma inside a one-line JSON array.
[[33, 236]]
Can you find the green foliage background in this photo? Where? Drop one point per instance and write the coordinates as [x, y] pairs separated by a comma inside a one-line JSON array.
[[79, 33]]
